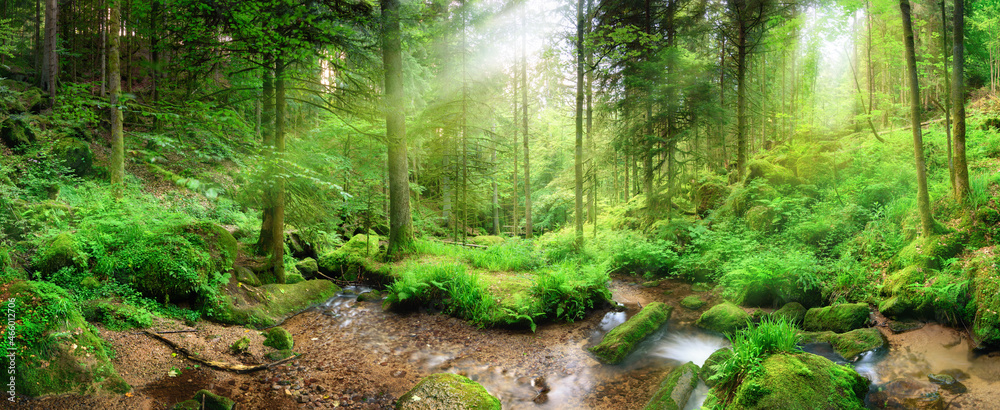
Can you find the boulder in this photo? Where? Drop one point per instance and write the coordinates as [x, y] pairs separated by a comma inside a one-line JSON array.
[[692, 302], [16, 133], [708, 368], [621, 340], [75, 155], [675, 389], [244, 275], [907, 394], [352, 259], [278, 338], [308, 268], [447, 391], [57, 252], [213, 401], [800, 381], [240, 346], [710, 196], [984, 287], [850, 344], [724, 318], [840, 318], [269, 304], [792, 312]]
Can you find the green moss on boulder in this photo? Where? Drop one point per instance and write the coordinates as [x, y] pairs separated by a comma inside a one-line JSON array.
[[278, 338], [621, 340], [76, 155], [675, 389], [799, 381], [269, 304], [708, 368], [693, 302], [848, 345], [840, 318], [774, 174], [710, 196], [16, 133], [244, 275], [447, 391], [213, 401], [116, 315], [240, 346], [352, 259], [57, 252], [724, 318], [984, 287], [307, 267], [931, 252], [792, 312], [58, 351]]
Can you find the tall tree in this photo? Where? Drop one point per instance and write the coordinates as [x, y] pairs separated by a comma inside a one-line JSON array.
[[277, 194], [400, 222], [923, 199], [578, 149], [50, 65], [958, 96], [117, 137], [528, 230], [747, 18]]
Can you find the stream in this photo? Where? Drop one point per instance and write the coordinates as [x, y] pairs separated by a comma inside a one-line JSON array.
[[551, 369]]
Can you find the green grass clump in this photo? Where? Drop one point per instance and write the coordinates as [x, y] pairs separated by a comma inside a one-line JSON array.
[[454, 289], [751, 346], [567, 292], [511, 255]]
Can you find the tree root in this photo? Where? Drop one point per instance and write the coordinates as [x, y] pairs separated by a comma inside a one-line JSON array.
[[229, 367]]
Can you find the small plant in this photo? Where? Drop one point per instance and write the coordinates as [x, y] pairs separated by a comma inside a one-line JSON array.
[[241, 346], [750, 347]]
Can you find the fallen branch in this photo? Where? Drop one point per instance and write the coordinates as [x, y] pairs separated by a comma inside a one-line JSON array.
[[163, 332], [229, 367]]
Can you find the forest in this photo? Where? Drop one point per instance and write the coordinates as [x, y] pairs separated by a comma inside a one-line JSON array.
[[429, 204]]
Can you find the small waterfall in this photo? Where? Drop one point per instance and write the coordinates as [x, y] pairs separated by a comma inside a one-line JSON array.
[[689, 347], [612, 320]]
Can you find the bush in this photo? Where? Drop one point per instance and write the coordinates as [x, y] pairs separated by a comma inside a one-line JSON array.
[[567, 292], [772, 279], [630, 253], [459, 291]]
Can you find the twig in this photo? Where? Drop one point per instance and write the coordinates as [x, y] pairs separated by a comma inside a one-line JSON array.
[[229, 367]]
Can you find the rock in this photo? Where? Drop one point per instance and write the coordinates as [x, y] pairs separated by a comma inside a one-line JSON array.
[[75, 155], [947, 382], [213, 401], [774, 174], [57, 252], [16, 133], [240, 346], [901, 326], [244, 275], [308, 268], [806, 380], [353, 258], [155, 277], [840, 318], [701, 287], [270, 304], [116, 315], [373, 295], [621, 340], [792, 312], [447, 391], [984, 287], [714, 359], [293, 277], [724, 318], [692, 302], [651, 284], [710, 196], [280, 355], [675, 389], [850, 344], [907, 394], [278, 338]]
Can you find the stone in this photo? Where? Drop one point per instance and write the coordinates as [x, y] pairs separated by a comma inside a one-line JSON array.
[[840, 318], [675, 389], [621, 340], [707, 369], [692, 302], [849, 344], [724, 318], [792, 312], [213, 401], [75, 155], [447, 391], [907, 394], [240, 346], [16, 133], [308, 268], [245, 275]]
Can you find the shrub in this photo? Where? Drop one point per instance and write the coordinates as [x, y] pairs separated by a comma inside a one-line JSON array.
[[630, 253], [568, 291], [772, 279]]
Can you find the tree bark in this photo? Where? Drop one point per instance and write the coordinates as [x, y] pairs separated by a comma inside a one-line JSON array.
[[117, 137], [524, 117], [267, 121], [578, 148], [923, 199], [400, 223], [51, 64], [741, 101], [958, 96], [278, 218]]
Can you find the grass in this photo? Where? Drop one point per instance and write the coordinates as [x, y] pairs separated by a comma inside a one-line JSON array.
[[751, 346]]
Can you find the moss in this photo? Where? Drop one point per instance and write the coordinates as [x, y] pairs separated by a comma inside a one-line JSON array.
[[800, 381], [240, 346], [710, 196], [692, 302], [486, 240], [839, 318], [16, 133], [219, 242], [708, 368], [813, 168], [279, 355], [792, 312], [675, 389], [931, 252], [724, 318], [58, 351], [850, 344], [621, 340], [292, 277], [269, 304], [447, 391], [774, 174], [307, 267], [761, 218], [244, 275], [213, 401], [744, 198], [187, 405], [278, 338], [984, 287], [352, 259], [76, 155], [116, 315], [59, 251]]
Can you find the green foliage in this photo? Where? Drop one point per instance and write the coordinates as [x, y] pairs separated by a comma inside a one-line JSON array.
[[568, 291], [278, 338], [751, 346], [511, 255], [461, 292], [769, 278], [116, 316], [240, 346]]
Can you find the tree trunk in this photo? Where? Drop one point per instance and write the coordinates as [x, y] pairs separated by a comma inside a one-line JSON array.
[[51, 63], [591, 160], [958, 96], [578, 148], [741, 101], [117, 138], [923, 199], [524, 117], [947, 94], [267, 119], [278, 224], [104, 49], [400, 224]]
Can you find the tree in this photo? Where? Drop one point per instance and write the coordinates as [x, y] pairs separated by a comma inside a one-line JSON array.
[[400, 224], [50, 65], [747, 20], [578, 149], [117, 139], [958, 96], [923, 199], [524, 117]]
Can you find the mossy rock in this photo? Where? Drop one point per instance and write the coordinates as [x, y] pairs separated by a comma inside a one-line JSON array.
[[742, 199], [898, 282], [116, 315], [187, 405], [931, 252], [708, 368], [797, 381], [60, 352], [693, 302], [279, 355], [158, 278], [774, 174], [240, 346], [701, 287], [984, 286], [850, 344], [244, 275], [57, 252], [813, 168], [373, 295], [76, 155], [675, 389], [710, 196], [293, 277], [307, 267], [724, 318], [902, 326], [352, 259], [447, 391], [908, 394], [278, 338], [792, 312], [621, 340], [840, 318], [762, 218], [213, 401], [269, 304], [16, 133]]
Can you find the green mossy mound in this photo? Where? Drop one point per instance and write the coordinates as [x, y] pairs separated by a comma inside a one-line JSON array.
[[486, 240], [447, 391], [693, 302], [116, 315], [984, 287], [709, 197], [745, 197], [307, 267], [840, 318], [187, 405], [75, 155], [213, 401], [762, 218], [774, 174], [28, 98], [621, 340], [269, 304], [792, 312], [240, 346], [278, 338], [353, 259], [16, 133], [708, 368], [58, 351], [675, 389], [160, 276], [798, 381], [57, 252], [724, 318], [848, 345], [244, 275], [931, 252]]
